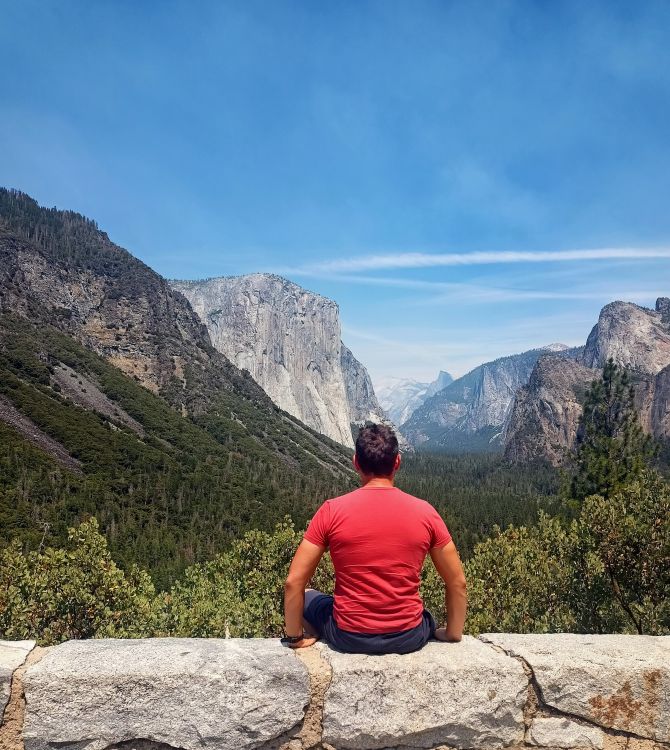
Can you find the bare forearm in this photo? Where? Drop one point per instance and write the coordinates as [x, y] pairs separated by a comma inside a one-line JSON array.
[[456, 602], [294, 603]]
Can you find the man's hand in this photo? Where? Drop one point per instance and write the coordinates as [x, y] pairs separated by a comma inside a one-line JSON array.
[[442, 634], [303, 643], [302, 568]]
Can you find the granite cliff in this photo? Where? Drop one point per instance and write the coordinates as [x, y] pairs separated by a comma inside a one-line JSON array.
[[289, 340], [469, 413], [545, 415]]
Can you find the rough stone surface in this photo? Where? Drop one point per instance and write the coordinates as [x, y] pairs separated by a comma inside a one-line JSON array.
[[465, 695], [545, 415], [12, 656], [634, 337], [557, 732], [288, 338], [187, 693], [617, 681]]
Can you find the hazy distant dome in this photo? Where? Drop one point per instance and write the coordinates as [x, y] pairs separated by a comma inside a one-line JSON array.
[[401, 397], [556, 347]]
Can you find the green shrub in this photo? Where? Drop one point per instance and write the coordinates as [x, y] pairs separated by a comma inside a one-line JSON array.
[[240, 592], [75, 592], [519, 578]]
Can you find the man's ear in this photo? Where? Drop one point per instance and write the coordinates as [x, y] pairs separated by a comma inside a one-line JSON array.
[[398, 461], [354, 461]]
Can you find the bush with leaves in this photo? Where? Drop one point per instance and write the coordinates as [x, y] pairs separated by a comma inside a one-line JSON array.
[[240, 592], [624, 549], [606, 571], [76, 592], [519, 579]]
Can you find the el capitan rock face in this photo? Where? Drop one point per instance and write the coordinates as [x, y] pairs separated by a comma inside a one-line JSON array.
[[289, 340], [545, 416]]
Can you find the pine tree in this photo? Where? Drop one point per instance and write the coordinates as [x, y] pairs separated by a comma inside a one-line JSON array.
[[612, 449]]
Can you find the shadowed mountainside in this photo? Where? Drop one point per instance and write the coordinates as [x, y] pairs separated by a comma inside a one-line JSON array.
[[196, 448]]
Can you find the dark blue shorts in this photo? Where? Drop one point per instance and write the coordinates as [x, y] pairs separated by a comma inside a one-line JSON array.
[[319, 614]]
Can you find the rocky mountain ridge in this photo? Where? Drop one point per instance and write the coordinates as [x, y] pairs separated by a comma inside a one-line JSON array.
[[469, 414], [107, 372], [289, 340], [545, 415]]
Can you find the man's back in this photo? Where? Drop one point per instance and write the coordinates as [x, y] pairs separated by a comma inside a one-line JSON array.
[[378, 539]]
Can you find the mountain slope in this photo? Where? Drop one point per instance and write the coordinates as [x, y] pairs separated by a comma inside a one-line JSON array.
[[470, 412], [138, 348], [440, 383], [289, 340], [544, 419]]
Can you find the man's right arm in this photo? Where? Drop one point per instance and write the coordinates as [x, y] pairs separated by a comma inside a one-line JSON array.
[[448, 565]]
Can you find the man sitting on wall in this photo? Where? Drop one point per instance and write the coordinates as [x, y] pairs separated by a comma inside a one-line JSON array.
[[378, 537]]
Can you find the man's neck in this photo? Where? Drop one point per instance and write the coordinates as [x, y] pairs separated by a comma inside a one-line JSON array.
[[372, 482]]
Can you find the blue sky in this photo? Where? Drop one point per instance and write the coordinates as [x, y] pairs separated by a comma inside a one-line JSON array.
[[444, 170]]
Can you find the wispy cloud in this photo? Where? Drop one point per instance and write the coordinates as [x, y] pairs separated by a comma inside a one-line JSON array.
[[445, 291], [432, 260]]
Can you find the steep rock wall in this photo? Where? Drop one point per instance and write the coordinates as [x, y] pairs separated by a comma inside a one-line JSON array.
[[545, 413], [544, 418], [289, 340]]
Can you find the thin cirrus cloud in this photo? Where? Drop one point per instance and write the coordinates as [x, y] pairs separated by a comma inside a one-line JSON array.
[[444, 291], [432, 260]]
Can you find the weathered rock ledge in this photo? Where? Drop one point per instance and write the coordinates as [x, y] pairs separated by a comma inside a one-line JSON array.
[[573, 692]]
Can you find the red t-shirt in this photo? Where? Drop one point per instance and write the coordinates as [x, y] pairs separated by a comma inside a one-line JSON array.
[[378, 540]]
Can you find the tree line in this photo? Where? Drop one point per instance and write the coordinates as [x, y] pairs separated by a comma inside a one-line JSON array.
[[595, 559]]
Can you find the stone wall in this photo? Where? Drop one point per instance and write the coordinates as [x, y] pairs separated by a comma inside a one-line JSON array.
[[563, 691]]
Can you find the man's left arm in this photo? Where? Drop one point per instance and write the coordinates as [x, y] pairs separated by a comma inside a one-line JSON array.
[[303, 567]]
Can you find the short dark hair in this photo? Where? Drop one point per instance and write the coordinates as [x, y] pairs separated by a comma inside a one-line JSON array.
[[376, 450]]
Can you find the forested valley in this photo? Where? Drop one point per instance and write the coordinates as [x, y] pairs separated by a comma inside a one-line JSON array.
[[584, 550], [149, 487]]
